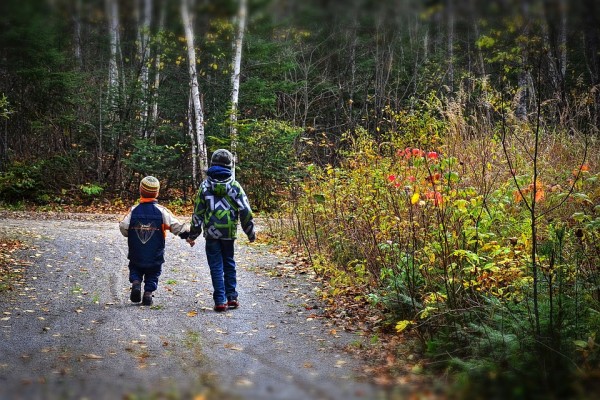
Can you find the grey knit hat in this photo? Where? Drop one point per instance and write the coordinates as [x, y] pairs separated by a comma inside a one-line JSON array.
[[222, 157]]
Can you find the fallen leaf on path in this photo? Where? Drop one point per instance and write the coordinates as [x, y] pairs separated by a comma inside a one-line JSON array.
[[93, 356], [231, 346], [192, 313]]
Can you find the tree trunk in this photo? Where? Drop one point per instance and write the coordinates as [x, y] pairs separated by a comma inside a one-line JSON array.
[[235, 77], [143, 39], [190, 119], [157, 66], [77, 34], [112, 13], [198, 115]]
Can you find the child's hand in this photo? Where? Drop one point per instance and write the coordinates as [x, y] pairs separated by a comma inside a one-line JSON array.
[[191, 242], [184, 235]]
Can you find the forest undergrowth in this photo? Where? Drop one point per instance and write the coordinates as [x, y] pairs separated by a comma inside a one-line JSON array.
[[476, 244]]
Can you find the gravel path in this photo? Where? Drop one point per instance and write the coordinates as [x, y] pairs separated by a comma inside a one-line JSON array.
[[68, 330]]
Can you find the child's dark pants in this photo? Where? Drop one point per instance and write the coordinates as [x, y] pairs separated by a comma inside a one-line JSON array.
[[147, 275]]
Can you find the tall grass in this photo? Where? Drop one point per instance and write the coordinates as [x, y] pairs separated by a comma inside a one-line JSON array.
[[438, 228]]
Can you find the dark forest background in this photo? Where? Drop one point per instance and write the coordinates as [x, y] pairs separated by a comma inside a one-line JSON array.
[[434, 162]]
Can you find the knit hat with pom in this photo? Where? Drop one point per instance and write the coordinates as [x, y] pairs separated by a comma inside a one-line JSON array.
[[222, 157], [149, 187]]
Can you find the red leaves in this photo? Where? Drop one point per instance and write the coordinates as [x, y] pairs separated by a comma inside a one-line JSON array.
[[539, 192], [434, 196], [432, 155]]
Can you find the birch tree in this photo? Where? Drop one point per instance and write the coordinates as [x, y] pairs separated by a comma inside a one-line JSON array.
[[77, 34], [143, 42], [198, 113], [235, 76], [115, 82], [157, 63], [112, 13]]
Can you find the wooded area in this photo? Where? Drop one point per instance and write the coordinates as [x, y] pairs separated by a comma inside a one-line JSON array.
[[438, 159]]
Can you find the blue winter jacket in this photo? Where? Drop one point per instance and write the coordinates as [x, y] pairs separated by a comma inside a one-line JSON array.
[[145, 236]]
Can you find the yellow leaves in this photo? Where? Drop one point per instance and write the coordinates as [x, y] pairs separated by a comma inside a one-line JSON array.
[[414, 199], [192, 313], [461, 205], [402, 325], [431, 257]]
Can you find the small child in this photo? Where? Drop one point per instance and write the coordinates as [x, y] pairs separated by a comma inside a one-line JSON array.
[[219, 203], [146, 227]]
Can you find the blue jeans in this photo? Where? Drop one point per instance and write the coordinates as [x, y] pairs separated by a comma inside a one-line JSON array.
[[219, 254]]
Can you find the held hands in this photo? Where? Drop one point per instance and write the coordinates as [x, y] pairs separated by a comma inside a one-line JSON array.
[[186, 236]]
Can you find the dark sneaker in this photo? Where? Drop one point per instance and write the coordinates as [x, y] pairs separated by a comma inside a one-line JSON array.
[[233, 304], [136, 292], [147, 300], [220, 307]]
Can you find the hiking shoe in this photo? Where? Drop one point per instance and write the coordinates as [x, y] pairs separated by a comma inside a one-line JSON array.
[[233, 304], [220, 307], [147, 300], [136, 292]]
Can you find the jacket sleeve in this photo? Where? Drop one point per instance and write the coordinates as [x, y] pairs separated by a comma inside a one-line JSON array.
[[246, 216], [172, 223], [124, 224], [197, 215]]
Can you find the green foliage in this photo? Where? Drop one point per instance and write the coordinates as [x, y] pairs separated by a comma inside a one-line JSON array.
[[19, 182], [5, 109], [267, 162], [444, 238], [160, 160], [91, 189], [40, 181]]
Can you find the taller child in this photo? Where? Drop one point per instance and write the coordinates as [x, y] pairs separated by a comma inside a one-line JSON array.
[[219, 204]]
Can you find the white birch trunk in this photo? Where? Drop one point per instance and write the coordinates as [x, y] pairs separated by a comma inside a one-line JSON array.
[[157, 66], [143, 39], [198, 112], [235, 77], [193, 142], [77, 34], [563, 38], [112, 12]]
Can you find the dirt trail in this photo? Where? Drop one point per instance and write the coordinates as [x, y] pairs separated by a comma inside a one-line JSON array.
[[68, 330]]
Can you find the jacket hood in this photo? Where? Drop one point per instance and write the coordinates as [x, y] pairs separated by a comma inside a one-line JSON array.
[[219, 180]]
